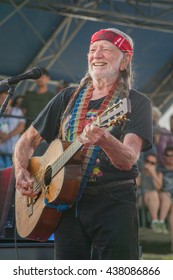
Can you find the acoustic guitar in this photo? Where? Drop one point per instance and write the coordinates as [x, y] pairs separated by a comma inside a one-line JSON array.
[[57, 177]]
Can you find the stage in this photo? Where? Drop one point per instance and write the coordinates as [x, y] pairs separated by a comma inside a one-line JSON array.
[[21, 249], [25, 250]]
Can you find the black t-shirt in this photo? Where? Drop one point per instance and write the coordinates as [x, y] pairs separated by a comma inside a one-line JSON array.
[[140, 123], [34, 102]]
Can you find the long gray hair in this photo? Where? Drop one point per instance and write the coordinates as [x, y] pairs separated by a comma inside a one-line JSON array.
[[125, 79]]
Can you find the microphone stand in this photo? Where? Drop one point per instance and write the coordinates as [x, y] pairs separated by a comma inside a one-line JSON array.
[[5, 103]]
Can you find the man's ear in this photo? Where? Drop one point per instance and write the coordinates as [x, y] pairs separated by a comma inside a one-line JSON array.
[[125, 61]]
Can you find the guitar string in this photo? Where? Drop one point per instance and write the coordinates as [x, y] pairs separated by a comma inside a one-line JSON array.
[[58, 164], [39, 184]]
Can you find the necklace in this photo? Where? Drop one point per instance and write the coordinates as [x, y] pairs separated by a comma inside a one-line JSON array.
[[73, 125]]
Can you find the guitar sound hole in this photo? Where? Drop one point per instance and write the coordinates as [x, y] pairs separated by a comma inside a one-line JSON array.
[[48, 176]]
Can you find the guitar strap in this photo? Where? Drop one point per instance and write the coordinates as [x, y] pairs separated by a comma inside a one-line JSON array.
[[73, 125]]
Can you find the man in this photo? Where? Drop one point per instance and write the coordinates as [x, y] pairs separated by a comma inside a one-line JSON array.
[[35, 101], [103, 220]]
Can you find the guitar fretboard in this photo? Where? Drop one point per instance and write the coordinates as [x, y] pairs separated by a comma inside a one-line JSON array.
[[64, 158]]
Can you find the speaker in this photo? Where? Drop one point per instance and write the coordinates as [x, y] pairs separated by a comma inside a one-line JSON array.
[[7, 187]]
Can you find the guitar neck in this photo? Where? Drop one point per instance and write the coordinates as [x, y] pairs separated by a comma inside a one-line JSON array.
[[110, 116], [65, 157]]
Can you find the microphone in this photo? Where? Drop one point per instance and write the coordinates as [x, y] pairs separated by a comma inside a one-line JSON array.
[[33, 73]]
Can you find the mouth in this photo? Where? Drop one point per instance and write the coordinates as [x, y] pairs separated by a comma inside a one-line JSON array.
[[99, 64]]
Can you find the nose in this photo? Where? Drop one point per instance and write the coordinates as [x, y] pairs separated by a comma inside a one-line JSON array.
[[98, 53]]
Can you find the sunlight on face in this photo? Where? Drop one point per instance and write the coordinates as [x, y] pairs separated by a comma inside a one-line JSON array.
[[104, 60]]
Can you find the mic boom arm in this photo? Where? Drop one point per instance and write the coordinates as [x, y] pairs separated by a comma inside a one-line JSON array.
[[34, 73]]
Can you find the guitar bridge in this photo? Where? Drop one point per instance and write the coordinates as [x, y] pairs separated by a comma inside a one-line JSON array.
[[30, 203]]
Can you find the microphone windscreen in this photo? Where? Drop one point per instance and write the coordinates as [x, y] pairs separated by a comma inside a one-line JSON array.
[[36, 73]]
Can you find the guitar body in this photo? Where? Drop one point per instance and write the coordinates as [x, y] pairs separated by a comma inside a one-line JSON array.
[[34, 219]]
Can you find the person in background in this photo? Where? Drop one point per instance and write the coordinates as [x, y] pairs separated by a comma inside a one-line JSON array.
[[35, 101], [12, 125], [17, 101], [149, 182], [162, 136], [166, 194], [104, 215]]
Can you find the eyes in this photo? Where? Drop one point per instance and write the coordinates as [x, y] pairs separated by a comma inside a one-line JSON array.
[[103, 49]]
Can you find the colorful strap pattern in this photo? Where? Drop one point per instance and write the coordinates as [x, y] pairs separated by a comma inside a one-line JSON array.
[[73, 125]]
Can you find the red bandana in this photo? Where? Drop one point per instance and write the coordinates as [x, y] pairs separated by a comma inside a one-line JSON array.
[[114, 38]]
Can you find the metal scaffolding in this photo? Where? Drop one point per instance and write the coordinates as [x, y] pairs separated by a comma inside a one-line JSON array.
[[148, 14]]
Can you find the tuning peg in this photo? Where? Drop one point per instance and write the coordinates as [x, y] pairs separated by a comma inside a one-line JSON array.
[[108, 124]]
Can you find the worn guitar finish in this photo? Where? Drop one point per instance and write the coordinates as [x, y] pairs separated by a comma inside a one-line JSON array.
[[58, 176], [32, 215]]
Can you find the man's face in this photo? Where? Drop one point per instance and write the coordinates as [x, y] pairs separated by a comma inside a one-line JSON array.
[[104, 60]]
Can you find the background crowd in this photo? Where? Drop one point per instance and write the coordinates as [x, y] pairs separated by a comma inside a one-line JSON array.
[[155, 180], [20, 113]]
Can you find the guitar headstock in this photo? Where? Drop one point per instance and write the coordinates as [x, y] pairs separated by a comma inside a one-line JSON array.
[[114, 114]]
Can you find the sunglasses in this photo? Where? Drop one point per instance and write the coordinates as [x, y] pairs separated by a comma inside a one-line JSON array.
[[151, 162], [168, 155]]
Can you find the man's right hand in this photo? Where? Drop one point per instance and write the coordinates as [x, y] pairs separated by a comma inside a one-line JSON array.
[[25, 183]]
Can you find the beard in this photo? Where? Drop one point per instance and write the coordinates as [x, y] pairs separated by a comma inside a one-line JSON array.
[[100, 74]]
